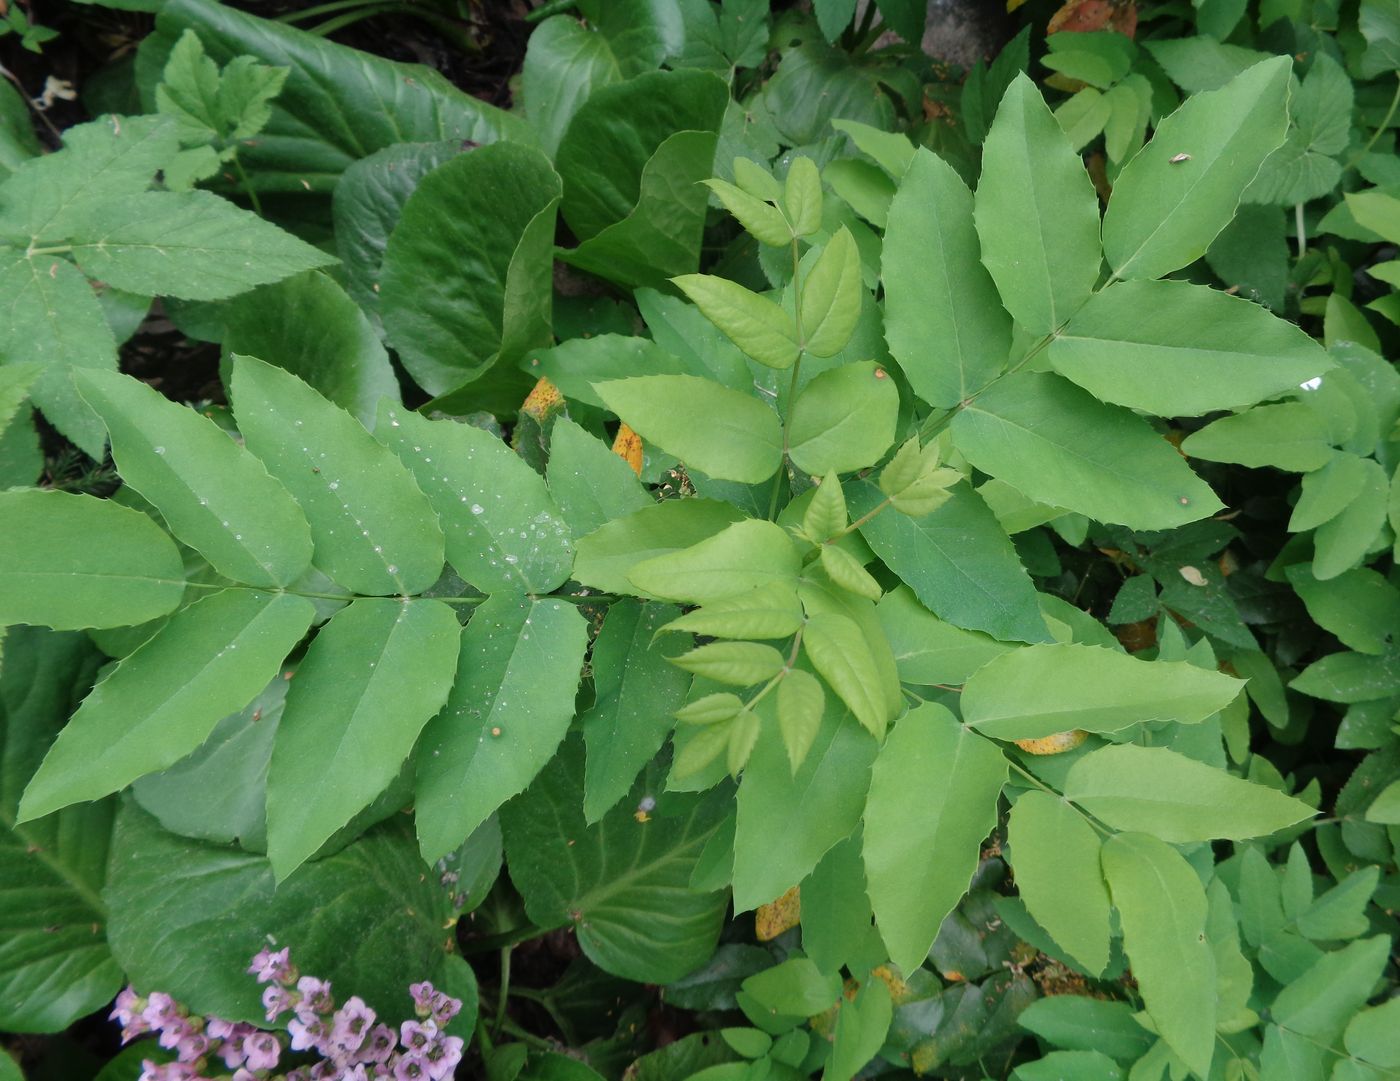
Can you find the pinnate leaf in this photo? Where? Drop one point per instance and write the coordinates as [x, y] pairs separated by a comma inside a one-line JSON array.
[[755, 324], [801, 703], [844, 419], [771, 610], [738, 664], [743, 557], [831, 295], [838, 651]]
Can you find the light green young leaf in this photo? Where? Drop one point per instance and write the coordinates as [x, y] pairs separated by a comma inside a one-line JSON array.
[[861, 1027], [839, 653], [1055, 854], [933, 798], [722, 433], [820, 595], [1043, 689], [635, 693], [831, 295], [845, 570], [1162, 908], [738, 664], [373, 530], [1287, 436], [802, 196], [74, 562], [757, 180], [944, 321], [50, 317], [892, 151], [588, 482], [825, 515], [1036, 213], [770, 610], [507, 714], [1177, 349], [929, 650], [843, 420], [374, 676], [646, 925], [504, 532], [755, 324], [605, 558], [794, 988], [151, 711], [788, 819], [192, 245], [959, 562], [1181, 800], [711, 709], [1165, 212], [1060, 446], [742, 557], [213, 494], [801, 705], [762, 221]]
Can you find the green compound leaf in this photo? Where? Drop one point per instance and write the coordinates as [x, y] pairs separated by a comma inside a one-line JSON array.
[[56, 966], [928, 650], [606, 557], [1036, 213], [374, 676], [1043, 689], [465, 282], [373, 530], [1177, 349], [843, 420], [755, 324], [504, 532], [737, 664], [831, 296], [801, 705], [187, 916], [958, 561], [838, 651], [1164, 212], [645, 925], [507, 714], [1055, 853], [788, 819], [802, 196], [1162, 907], [192, 245], [933, 798], [944, 321], [771, 610], [721, 432], [636, 690], [1058, 445], [763, 222], [163, 700], [742, 557], [1166, 794], [213, 494], [52, 573]]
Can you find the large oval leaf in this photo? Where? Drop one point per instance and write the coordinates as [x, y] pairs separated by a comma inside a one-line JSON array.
[[374, 676], [51, 572], [161, 702], [1177, 349], [1062, 447], [933, 798], [214, 495], [509, 710], [373, 530]]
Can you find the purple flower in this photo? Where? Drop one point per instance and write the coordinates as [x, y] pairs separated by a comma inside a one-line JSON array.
[[378, 1045], [173, 1071], [233, 1048], [445, 1007], [299, 1074], [325, 1070], [262, 1049], [217, 1028], [315, 998], [127, 1010], [422, 997], [411, 1068], [277, 1001], [160, 1010], [308, 1035], [417, 1037], [352, 1023], [443, 1055], [355, 1073], [192, 1046], [175, 1030], [242, 1074], [268, 966]]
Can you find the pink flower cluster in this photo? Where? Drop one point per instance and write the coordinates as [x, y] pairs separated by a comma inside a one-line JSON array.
[[351, 1045]]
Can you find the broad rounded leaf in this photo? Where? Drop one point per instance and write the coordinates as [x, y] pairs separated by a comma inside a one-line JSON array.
[[1043, 689], [373, 530], [844, 419], [161, 702], [1036, 213], [52, 573], [933, 798], [1177, 349], [214, 495], [1166, 794], [1165, 212], [565, 61], [721, 432], [374, 676]]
